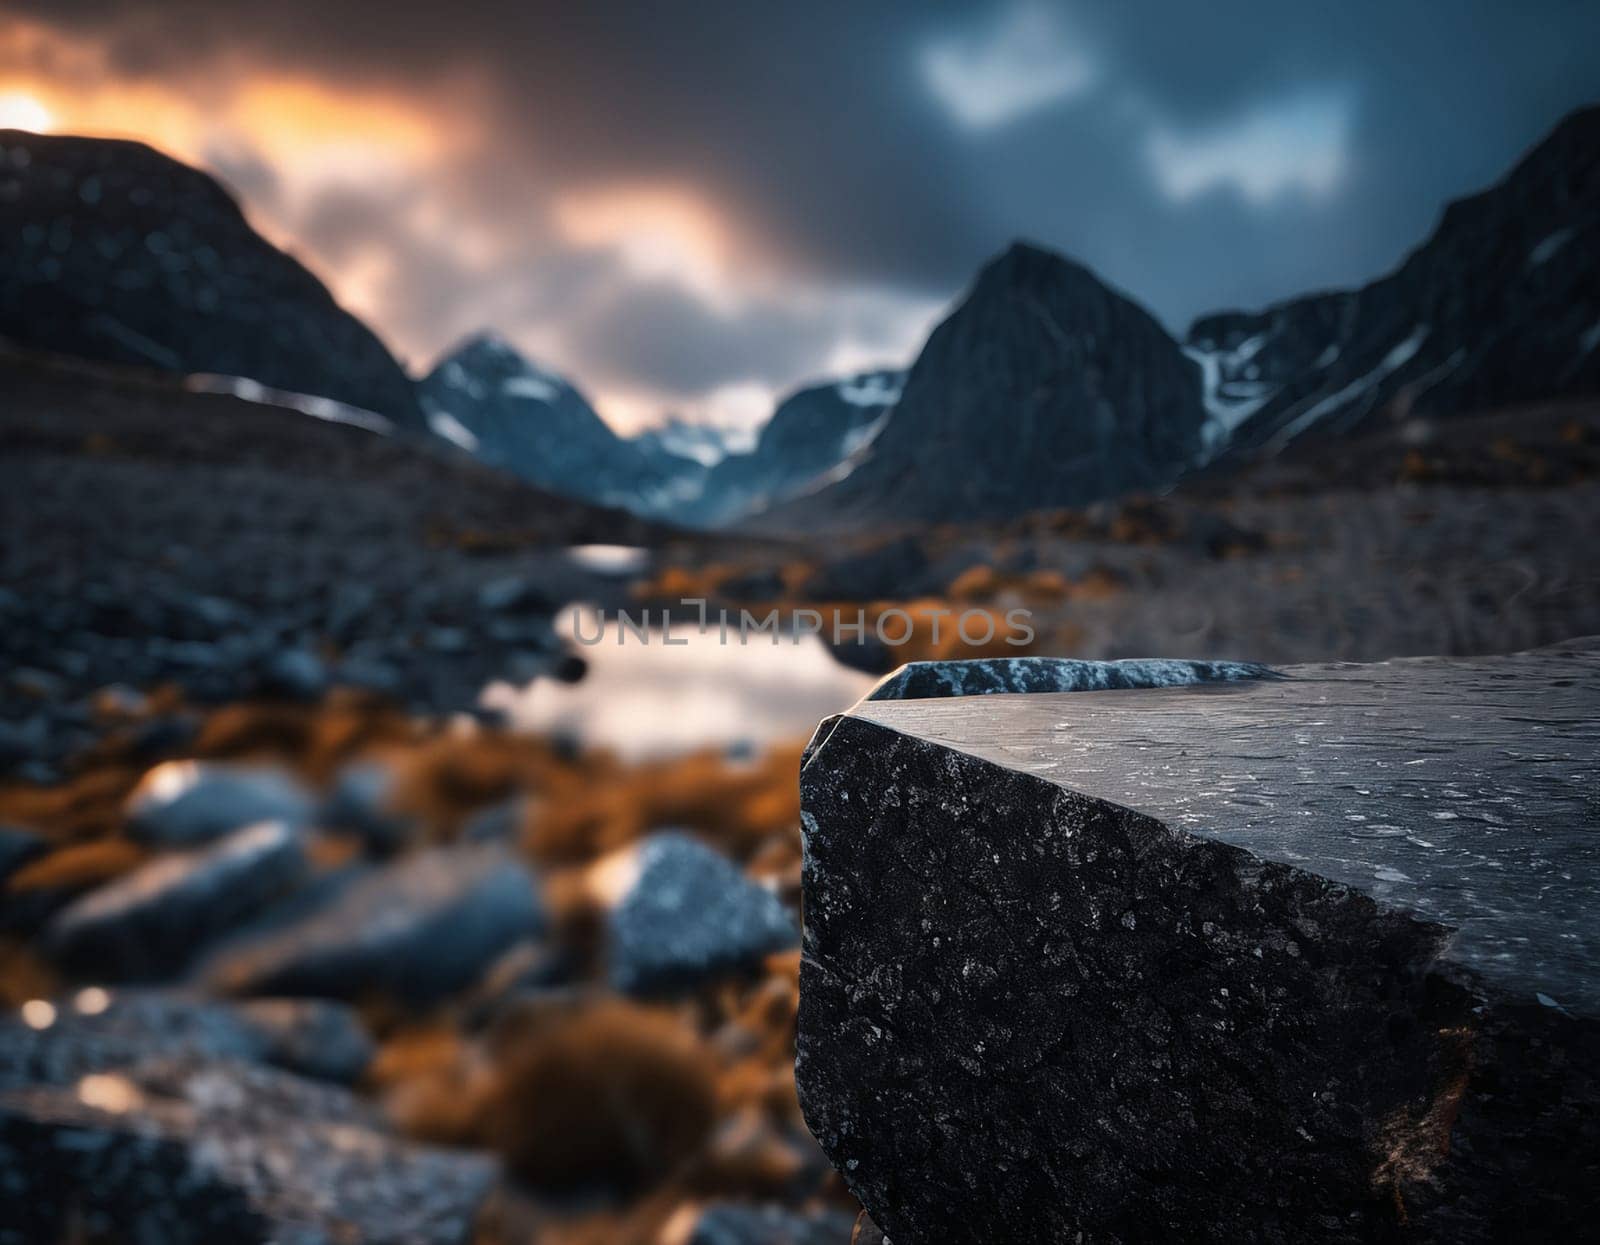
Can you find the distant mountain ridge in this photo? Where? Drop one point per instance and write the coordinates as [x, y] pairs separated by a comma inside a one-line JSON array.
[[814, 434], [496, 404], [1043, 388], [111, 251], [1500, 304]]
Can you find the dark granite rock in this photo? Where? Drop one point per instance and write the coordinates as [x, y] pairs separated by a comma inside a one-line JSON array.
[[690, 914], [96, 1030], [923, 679], [182, 803], [200, 1151], [148, 924], [1311, 958], [732, 1224], [417, 930]]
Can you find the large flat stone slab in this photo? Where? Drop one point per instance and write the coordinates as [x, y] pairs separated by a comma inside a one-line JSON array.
[[1291, 959]]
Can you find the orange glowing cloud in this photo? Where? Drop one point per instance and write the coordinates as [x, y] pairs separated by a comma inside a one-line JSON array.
[[660, 231]]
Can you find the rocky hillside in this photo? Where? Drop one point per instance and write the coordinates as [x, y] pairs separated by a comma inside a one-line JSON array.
[[1499, 305], [494, 403], [112, 251], [1044, 388]]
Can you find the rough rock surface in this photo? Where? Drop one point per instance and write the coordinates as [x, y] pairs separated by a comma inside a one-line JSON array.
[[96, 1031], [149, 923], [198, 1151], [920, 680], [417, 929], [1310, 958], [689, 914]]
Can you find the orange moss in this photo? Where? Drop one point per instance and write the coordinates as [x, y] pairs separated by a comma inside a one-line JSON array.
[[77, 867], [600, 1092]]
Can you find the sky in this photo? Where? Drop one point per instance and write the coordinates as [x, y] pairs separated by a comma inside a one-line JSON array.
[[693, 208]]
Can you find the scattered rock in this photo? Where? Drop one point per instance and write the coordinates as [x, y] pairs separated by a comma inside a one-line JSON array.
[[734, 1224], [149, 923], [97, 1029], [198, 1151], [690, 913], [361, 803], [297, 673], [416, 930], [182, 803]]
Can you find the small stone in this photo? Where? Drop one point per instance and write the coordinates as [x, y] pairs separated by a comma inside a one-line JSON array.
[[149, 923], [187, 802], [361, 803], [297, 673], [690, 914], [190, 1152], [418, 929]]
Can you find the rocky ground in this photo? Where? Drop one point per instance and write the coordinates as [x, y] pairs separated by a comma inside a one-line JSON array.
[[291, 939]]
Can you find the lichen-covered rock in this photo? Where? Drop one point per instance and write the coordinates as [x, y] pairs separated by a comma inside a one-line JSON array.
[[689, 914], [197, 1151], [1311, 958], [147, 925], [416, 930]]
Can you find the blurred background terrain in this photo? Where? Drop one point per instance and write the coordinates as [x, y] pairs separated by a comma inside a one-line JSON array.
[[343, 889]]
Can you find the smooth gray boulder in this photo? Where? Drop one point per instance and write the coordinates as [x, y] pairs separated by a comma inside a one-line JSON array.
[[183, 803], [416, 930], [148, 924], [1306, 958]]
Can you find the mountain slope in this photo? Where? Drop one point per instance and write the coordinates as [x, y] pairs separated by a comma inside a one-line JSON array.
[[813, 434], [1501, 304], [111, 251], [1044, 388], [493, 402]]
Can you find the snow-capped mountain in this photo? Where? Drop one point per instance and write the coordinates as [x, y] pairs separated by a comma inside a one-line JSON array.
[[1500, 305], [706, 444], [491, 401], [815, 436]]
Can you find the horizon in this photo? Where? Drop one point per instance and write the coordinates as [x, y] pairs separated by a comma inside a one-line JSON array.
[[705, 277]]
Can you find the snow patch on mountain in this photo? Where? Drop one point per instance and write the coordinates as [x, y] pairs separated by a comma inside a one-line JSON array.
[[1392, 362], [446, 425], [872, 389]]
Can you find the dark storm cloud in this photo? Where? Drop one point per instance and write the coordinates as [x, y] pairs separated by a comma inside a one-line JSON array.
[[1197, 155]]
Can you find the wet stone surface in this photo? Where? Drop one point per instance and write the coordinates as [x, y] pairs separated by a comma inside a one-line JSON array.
[[1303, 958]]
